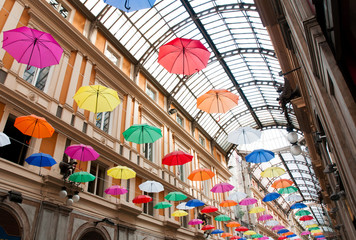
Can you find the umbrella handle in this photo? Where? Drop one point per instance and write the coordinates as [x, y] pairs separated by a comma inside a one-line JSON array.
[[127, 5]]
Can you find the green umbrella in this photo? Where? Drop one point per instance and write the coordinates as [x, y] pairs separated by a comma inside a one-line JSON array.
[[313, 228], [287, 190], [175, 196], [302, 213], [222, 217], [256, 236], [81, 177], [142, 133], [162, 205]]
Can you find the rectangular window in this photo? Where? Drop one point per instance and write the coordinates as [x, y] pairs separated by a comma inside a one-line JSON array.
[[103, 121], [59, 7], [148, 150], [128, 190], [113, 57], [37, 76], [181, 172], [202, 140], [207, 187], [184, 221], [3, 76], [148, 207], [180, 120], [97, 186], [151, 93]]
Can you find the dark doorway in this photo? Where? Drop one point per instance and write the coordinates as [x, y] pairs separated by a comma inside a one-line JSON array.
[[9, 227], [92, 235]]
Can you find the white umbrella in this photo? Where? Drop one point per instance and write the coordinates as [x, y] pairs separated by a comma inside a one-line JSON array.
[[151, 187], [237, 196], [294, 198], [310, 222], [272, 223], [182, 206], [244, 135], [4, 139]]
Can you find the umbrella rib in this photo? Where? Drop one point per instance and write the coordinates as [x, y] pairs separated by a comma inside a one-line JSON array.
[[25, 51], [45, 46]]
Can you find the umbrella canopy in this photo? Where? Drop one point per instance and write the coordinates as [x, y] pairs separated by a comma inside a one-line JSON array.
[[316, 232], [244, 135], [151, 187], [237, 196], [294, 198], [264, 238], [305, 233], [207, 227], [4, 139], [41, 160], [222, 187], [194, 203], [243, 238], [241, 229], [201, 174], [257, 236], [273, 172], [306, 218], [121, 172], [142, 133], [195, 222], [130, 6], [179, 213], [162, 205], [217, 101], [298, 205], [116, 190], [248, 201], [222, 217], [183, 56], [224, 235], [81, 152], [292, 235], [259, 156], [34, 126], [250, 232], [81, 177], [271, 196], [183, 206], [175, 196], [257, 210], [276, 227], [287, 190], [235, 237], [176, 158], [209, 209], [233, 224], [282, 237], [217, 231], [142, 199], [282, 183], [228, 203], [282, 231], [265, 217], [96, 98], [32, 47], [311, 226]]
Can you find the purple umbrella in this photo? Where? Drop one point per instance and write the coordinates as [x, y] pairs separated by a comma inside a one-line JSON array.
[[305, 233], [32, 47], [265, 217], [82, 152], [195, 222], [277, 227], [222, 187], [248, 201], [116, 190]]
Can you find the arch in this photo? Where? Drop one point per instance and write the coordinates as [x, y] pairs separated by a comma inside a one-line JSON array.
[[91, 231]]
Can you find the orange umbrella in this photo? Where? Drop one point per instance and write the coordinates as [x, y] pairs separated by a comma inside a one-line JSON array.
[[34, 126], [217, 101], [287, 233], [282, 183], [233, 224], [201, 174], [226, 235], [228, 203]]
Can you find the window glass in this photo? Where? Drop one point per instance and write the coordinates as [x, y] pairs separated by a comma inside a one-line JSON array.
[[184, 221], [148, 207], [103, 121], [201, 140], [181, 172], [59, 7], [148, 149], [112, 56], [180, 120], [37, 76], [97, 186], [151, 93]]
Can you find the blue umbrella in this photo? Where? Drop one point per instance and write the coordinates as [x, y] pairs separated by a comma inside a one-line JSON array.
[[271, 197], [41, 160], [320, 236], [130, 5], [298, 205], [292, 235], [194, 203], [217, 231], [259, 156], [243, 238], [282, 231]]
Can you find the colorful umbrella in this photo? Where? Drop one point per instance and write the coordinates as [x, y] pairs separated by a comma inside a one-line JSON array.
[[287, 190], [235, 237], [40, 160], [224, 235], [179, 213], [183, 56], [116, 190], [273, 172], [142, 133], [233, 224], [305, 233], [217, 101], [217, 231], [183, 206], [142, 199], [222, 217], [264, 238], [194, 203], [121, 172], [34, 126], [257, 236], [292, 235], [209, 209], [282, 231], [243, 238], [306, 218], [244, 135], [130, 6], [294, 198], [298, 206], [97, 98], [32, 47], [250, 232], [259, 156], [257, 210], [274, 224], [241, 229], [201, 174], [175, 196], [282, 237], [195, 222], [151, 187], [222, 187], [311, 226], [4, 139], [271, 196], [81, 177], [81, 152], [276, 227], [228, 203], [248, 201], [176, 158], [282, 183], [207, 227], [237, 196], [265, 217], [162, 205], [316, 232], [319, 237]]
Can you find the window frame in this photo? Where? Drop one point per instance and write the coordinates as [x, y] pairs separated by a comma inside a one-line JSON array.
[[102, 121], [36, 75], [201, 137], [153, 90], [147, 208], [145, 153], [178, 116], [113, 51], [95, 182], [64, 5]]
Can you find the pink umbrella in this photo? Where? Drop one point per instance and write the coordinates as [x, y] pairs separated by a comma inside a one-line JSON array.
[[195, 222], [265, 217], [32, 47], [305, 233], [277, 227], [82, 152], [264, 238], [222, 187], [116, 190], [248, 201]]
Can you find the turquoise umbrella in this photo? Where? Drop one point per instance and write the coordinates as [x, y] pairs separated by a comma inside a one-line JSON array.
[[287, 190], [81, 177], [222, 218], [175, 196], [142, 133]]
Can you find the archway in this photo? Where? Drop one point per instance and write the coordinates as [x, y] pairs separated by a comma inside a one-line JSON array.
[[92, 235], [9, 226]]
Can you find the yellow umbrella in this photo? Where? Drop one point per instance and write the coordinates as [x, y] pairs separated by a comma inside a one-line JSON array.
[[257, 210], [315, 231], [121, 172], [97, 98], [250, 232], [273, 172], [311, 226], [179, 213]]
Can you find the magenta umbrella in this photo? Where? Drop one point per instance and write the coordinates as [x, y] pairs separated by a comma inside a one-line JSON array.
[[264, 238], [116, 190], [222, 187], [81, 152], [305, 233], [277, 227], [248, 201], [32, 47], [265, 217], [195, 222]]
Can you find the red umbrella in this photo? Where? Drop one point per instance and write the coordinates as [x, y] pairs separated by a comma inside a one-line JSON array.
[[306, 218], [207, 227], [241, 229], [142, 199], [281, 238], [235, 237], [209, 209], [176, 158], [183, 56]]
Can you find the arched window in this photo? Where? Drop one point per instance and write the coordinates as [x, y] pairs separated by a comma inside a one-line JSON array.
[[92, 235], [9, 226]]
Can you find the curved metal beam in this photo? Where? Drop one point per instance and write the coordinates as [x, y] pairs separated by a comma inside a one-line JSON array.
[[239, 51]]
